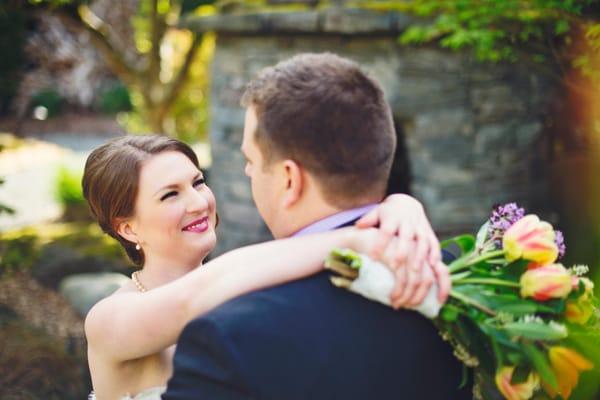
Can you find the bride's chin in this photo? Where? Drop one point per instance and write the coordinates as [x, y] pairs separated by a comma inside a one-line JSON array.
[[207, 246]]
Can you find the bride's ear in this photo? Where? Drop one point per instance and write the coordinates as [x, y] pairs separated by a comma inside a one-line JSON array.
[[126, 231]]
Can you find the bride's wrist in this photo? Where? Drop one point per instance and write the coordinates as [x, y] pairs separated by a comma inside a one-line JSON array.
[[359, 240]]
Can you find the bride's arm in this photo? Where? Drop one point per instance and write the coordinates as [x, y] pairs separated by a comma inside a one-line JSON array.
[[132, 325]]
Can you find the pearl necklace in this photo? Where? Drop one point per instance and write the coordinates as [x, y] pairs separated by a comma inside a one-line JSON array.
[[136, 281]]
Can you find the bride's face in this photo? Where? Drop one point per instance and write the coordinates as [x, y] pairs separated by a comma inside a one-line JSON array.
[[175, 212]]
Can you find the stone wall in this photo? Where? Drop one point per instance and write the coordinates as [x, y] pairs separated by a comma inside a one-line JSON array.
[[472, 132]]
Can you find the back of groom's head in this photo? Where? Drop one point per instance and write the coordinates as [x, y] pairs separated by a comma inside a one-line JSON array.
[[325, 113]]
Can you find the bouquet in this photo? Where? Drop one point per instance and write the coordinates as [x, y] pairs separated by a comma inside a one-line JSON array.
[[515, 314]]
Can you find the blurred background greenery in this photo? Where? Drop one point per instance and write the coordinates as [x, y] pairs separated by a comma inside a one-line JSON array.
[[72, 70]]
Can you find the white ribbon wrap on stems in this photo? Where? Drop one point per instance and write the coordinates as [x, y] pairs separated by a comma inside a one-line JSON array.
[[375, 281]]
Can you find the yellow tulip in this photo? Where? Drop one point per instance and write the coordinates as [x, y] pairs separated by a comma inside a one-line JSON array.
[[530, 239], [518, 391], [580, 310], [547, 282], [566, 364]]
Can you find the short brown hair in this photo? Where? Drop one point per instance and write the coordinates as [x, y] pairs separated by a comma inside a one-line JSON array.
[[324, 112], [111, 177]]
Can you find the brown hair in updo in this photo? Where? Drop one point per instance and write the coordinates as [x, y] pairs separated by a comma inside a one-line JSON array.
[[111, 177]]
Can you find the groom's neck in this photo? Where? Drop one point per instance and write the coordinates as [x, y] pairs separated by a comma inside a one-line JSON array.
[[311, 215]]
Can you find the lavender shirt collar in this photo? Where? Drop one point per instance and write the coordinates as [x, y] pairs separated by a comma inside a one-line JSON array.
[[335, 220]]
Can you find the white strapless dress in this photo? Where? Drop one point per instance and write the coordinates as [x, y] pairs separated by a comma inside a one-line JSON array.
[[148, 394]]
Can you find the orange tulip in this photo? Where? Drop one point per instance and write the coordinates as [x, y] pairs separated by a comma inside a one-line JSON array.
[[518, 391], [547, 282], [530, 239], [566, 364]]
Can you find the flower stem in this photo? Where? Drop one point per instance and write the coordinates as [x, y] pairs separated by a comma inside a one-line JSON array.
[[466, 262], [487, 281], [468, 300]]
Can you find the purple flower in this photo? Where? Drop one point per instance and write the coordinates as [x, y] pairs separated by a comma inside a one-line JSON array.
[[503, 217], [559, 239]]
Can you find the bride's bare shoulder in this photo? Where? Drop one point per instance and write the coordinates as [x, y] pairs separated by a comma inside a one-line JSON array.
[[103, 313]]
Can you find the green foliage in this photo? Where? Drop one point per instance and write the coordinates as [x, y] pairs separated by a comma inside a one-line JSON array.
[[68, 187], [18, 254], [12, 39], [48, 98], [50, 252], [495, 29], [115, 99], [70, 195]]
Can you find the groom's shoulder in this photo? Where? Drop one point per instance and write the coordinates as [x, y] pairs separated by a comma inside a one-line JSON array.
[[311, 304], [330, 331], [255, 308]]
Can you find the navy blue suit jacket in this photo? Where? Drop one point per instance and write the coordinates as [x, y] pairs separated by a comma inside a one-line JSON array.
[[310, 340]]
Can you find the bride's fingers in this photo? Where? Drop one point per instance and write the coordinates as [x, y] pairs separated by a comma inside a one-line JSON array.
[[413, 278], [399, 287], [369, 220], [422, 288], [442, 275], [385, 234], [409, 289], [435, 251], [421, 251], [403, 244]]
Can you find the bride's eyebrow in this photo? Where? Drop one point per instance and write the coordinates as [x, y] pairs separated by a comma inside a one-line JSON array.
[[176, 185]]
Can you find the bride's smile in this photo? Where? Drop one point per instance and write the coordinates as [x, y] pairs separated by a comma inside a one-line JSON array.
[[198, 226], [175, 212]]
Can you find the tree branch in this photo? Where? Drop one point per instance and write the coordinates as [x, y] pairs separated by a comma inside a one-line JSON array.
[[98, 30], [155, 38], [179, 80]]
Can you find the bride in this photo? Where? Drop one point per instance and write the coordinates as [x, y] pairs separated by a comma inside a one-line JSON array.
[[148, 193]]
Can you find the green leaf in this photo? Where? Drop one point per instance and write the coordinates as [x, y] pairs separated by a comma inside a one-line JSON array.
[[521, 373], [347, 256], [523, 307], [515, 358], [536, 331], [482, 234], [541, 364], [465, 242], [450, 312], [561, 27], [500, 336], [557, 306], [513, 271], [465, 377], [6, 209]]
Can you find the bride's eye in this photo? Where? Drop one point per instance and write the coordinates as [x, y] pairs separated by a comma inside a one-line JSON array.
[[167, 195], [199, 182]]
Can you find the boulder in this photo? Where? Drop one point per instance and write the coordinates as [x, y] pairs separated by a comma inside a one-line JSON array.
[[85, 290]]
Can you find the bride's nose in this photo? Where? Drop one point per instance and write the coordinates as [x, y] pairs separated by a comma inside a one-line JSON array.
[[196, 202]]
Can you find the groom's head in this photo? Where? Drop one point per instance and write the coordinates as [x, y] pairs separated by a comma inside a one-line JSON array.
[[318, 138]]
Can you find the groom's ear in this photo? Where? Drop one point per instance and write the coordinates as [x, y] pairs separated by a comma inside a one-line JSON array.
[[125, 229], [294, 183]]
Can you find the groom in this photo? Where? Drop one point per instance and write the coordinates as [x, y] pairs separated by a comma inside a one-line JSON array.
[[319, 142]]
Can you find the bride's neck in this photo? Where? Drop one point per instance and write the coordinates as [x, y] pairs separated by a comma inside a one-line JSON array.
[[160, 272]]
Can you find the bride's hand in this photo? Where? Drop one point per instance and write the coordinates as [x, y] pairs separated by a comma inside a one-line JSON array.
[[407, 244]]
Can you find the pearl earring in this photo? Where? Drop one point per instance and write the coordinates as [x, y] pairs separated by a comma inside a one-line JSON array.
[[138, 247]]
